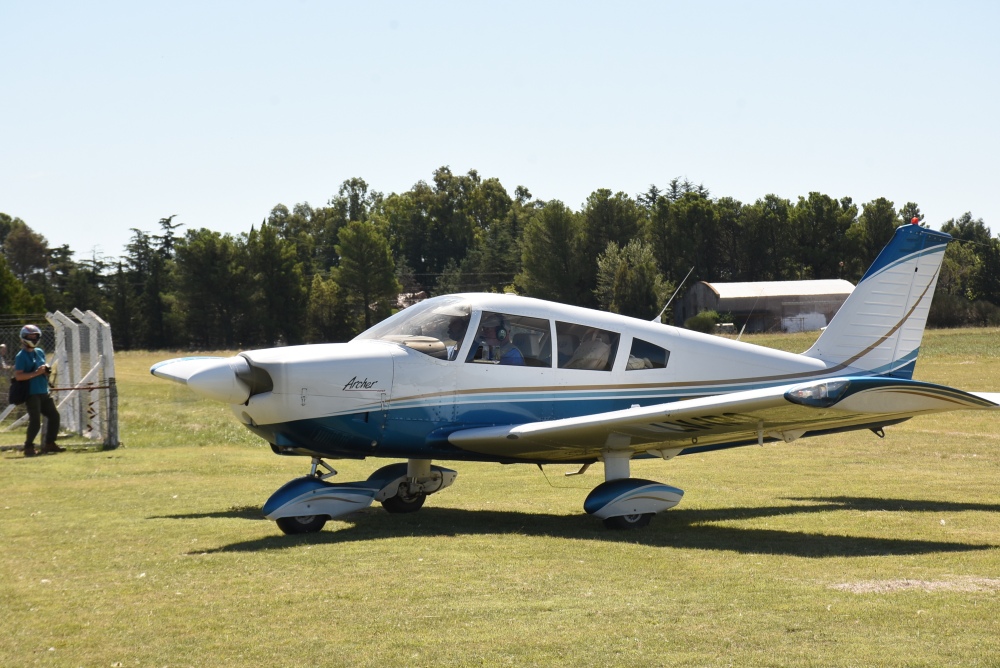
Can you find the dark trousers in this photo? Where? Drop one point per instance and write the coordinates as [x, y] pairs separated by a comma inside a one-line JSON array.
[[38, 405]]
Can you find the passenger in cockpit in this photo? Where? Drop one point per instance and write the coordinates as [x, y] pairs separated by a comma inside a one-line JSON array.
[[495, 333]]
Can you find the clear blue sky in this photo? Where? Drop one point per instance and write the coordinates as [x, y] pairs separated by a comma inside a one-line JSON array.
[[115, 114]]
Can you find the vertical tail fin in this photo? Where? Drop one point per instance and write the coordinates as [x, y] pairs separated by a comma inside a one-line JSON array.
[[879, 328]]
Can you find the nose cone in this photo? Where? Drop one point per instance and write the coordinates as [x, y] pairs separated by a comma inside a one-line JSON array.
[[222, 379]]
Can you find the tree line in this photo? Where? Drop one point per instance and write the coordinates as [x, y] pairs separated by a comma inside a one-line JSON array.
[[311, 274]]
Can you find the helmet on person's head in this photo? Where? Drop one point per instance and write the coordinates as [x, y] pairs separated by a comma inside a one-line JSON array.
[[31, 335]]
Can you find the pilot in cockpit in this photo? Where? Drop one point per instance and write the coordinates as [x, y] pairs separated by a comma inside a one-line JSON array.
[[456, 332]]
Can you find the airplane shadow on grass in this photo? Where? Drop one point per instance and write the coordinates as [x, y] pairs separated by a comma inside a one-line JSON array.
[[239, 513], [679, 528]]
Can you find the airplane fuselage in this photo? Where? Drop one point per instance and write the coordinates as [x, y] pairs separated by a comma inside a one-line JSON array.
[[380, 396]]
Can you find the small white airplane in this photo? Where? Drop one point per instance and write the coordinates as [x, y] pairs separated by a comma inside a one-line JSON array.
[[501, 378]]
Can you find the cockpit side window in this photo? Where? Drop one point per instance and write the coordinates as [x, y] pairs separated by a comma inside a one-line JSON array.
[[646, 355], [514, 340], [584, 347]]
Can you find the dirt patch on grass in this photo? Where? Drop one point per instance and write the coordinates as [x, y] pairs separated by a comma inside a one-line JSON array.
[[964, 584]]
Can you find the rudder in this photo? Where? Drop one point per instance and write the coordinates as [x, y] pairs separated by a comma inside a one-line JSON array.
[[879, 328]]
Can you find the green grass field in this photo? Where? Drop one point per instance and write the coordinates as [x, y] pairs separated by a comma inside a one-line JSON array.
[[845, 550]]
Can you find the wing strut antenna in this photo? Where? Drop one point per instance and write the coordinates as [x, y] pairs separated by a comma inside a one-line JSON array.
[[660, 316]]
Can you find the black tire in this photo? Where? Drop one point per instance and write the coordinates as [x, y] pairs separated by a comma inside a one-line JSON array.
[[302, 524], [623, 522], [404, 504]]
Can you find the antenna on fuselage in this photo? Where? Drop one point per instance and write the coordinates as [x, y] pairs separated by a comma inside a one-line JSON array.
[[752, 309], [660, 316]]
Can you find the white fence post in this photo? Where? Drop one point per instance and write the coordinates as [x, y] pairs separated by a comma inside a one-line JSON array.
[[93, 411], [108, 360], [68, 359]]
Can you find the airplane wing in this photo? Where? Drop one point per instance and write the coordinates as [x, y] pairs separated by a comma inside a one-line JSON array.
[[784, 412]]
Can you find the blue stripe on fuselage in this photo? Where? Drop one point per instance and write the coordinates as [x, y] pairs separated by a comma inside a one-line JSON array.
[[418, 427]]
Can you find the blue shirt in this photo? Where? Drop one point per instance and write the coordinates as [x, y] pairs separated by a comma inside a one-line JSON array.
[[29, 362], [512, 356]]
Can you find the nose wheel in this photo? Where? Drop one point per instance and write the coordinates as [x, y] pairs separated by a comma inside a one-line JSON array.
[[306, 504], [301, 524]]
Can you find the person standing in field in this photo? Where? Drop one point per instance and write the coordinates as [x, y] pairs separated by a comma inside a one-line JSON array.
[[30, 366]]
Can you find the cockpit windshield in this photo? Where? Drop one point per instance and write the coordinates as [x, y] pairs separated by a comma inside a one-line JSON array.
[[435, 327]]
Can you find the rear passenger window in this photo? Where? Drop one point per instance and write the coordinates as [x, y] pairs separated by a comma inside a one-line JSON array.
[[582, 347], [646, 355]]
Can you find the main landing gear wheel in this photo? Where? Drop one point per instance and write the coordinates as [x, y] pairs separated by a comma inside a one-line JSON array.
[[404, 502], [301, 524], [628, 521]]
